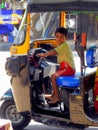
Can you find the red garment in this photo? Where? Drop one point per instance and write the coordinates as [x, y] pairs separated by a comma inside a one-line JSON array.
[[64, 70]]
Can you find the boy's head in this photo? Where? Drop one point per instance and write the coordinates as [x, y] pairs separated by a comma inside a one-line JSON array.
[[61, 35]]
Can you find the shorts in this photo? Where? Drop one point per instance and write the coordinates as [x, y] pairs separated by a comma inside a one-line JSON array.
[[64, 70]]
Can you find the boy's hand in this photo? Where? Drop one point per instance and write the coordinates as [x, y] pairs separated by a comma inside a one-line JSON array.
[[40, 55]]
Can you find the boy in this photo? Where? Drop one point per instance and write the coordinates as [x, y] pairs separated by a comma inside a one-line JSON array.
[[64, 58]]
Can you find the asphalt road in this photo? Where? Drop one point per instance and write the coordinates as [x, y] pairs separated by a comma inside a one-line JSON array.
[[38, 126]]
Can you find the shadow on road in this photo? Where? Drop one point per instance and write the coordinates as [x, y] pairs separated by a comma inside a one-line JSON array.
[[43, 127]]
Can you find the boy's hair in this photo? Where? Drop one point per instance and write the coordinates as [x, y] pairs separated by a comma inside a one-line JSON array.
[[62, 30]]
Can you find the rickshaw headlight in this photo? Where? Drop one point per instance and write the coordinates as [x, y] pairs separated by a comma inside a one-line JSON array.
[[13, 50]]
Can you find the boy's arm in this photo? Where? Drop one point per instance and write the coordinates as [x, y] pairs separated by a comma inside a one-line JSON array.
[[49, 53]]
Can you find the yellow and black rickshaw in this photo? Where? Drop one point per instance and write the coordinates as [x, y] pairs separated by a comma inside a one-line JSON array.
[[78, 93]]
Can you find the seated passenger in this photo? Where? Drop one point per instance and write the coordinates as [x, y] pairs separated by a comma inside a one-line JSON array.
[[65, 60]]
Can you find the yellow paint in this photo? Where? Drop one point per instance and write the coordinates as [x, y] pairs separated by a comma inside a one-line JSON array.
[[45, 41], [23, 49], [63, 19], [96, 84]]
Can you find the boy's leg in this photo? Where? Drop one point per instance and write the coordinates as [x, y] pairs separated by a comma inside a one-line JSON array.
[[55, 95], [54, 89], [61, 72], [55, 92]]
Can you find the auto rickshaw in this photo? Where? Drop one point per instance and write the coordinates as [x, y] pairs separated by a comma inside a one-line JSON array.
[[79, 94]]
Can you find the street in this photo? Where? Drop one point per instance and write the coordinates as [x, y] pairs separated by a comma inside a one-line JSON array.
[[4, 78], [38, 126]]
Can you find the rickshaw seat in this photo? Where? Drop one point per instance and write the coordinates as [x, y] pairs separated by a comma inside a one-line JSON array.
[[72, 81], [92, 57]]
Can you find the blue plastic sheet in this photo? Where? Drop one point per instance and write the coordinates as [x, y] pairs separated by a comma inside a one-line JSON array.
[[6, 29]]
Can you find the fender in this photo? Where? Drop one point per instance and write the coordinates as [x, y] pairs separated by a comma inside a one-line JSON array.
[[7, 95]]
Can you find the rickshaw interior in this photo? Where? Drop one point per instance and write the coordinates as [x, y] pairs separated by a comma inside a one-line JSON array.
[[85, 74], [82, 23]]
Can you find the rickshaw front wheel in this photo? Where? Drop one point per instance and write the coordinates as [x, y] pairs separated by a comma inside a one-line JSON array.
[[8, 111]]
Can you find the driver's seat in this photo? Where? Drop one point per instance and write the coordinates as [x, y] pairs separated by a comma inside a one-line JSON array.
[[72, 82], [68, 81]]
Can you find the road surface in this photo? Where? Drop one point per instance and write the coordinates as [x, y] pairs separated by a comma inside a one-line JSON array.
[[38, 126]]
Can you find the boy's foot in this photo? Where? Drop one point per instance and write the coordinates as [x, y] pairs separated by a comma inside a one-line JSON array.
[[48, 97], [54, 100]]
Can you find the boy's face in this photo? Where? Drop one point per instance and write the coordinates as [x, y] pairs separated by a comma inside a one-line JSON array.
[[60, 38]]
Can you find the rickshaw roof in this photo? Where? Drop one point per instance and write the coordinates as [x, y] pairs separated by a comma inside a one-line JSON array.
[[62, 5]]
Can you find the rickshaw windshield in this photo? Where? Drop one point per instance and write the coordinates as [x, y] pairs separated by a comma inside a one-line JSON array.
[[81, 15], [43, 17], [43, 24]]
